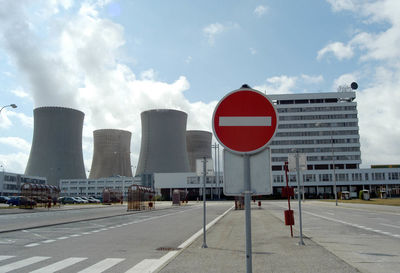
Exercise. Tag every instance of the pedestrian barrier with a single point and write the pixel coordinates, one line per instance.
(40, 195)
(239, 202)
(140, 198)
(111, 196)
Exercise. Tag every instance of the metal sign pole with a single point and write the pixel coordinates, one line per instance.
(217, 170)
(204, 203)
(299, 197)
(247, 197)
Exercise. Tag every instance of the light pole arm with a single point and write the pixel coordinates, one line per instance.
(10, 105)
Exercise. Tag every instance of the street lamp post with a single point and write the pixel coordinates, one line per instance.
(216, 167)
(334, 169)
(10, 105)
(4, 174)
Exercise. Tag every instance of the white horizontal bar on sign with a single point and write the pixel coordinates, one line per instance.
(244, 121)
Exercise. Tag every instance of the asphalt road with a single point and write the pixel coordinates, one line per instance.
(365, 236)
(127, 243)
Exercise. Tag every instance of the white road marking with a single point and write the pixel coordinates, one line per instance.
(104, 229)
(102, 265)
(32, 245)
(22, 263)
(388, 225)
(145, 266)
(353, 225)
(59, 265)
(245, 121)
(5, 257)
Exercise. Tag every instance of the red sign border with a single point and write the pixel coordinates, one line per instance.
(253, 151)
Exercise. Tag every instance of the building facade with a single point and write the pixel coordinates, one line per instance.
(324, 127)
(95, 187)
(10, 183)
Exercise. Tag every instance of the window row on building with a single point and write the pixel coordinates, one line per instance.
(315, 109)
(380, 177)
(316, 133)
(316, 125)
(318, 117)
(10, 183)
(316, 150)
(314, 141)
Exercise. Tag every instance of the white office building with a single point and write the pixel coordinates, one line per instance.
(95, 187)
(324, 127)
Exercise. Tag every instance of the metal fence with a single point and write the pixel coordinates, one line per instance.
(140, 198)
(112, 196)
(38, 195)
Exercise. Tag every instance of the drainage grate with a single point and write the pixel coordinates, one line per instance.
(167, 248)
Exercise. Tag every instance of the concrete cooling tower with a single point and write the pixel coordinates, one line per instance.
(56, 151)
(111, 153)
(198, 145)
(163, 145)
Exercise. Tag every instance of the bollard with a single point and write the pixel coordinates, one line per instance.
(259, 204)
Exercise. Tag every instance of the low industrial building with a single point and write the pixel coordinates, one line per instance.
(95, 187)
(10, 183)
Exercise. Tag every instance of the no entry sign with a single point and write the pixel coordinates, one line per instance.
(244, 121)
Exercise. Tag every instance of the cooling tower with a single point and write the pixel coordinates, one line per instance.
(56, 151)
(111, 153)
(163, 145)
(198, 145)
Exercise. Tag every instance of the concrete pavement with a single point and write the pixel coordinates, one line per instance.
(273, 249)
(89, 212)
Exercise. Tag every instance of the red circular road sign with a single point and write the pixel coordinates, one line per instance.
(244, 121)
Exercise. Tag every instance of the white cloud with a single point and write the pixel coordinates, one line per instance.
(378, 98)
(19, 92)
(344, 80)
(26, 121)
(340, 50)
(260, 10)
(81, 70)
(289, 84)
(149, 75)
(188, 60)
(16, 142)
(14, 162)
(6, 122)
(212, 30)
(278, 85)
(312, 79)
(338, 5)
(252, 51)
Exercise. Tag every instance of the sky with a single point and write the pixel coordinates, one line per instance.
(114, 59)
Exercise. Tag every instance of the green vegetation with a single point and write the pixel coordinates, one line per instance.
(375, 201)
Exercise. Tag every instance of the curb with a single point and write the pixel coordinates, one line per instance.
(167, 258)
